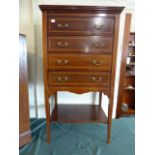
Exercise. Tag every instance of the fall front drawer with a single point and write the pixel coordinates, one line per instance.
(80, 61)
(80, 24)
(78, 78)
(91, 44)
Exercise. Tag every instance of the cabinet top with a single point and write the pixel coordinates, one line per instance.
(104, 9)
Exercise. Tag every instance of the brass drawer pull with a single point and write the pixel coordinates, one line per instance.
(62, 45)
(63, 25)
(95, 79)
(99, 44)
(96, 62)
(62, 62)
(62, 79)
(99, 26)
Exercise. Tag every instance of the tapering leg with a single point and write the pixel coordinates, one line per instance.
(110, 107)
(100, 99)
(47, 108)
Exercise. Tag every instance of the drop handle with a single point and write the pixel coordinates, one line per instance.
(100, 44)
(62, 79)
(62, 45)
(97, 62)
(63, 25)
(96, 79)
(99, 26)
(62, 62)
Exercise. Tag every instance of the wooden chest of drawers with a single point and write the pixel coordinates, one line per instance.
(79, 54)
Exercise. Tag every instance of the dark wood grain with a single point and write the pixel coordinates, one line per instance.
(129, 81)
(99, 62)
(129, 98)
(80, 44)
(79, 78)
(70, 113)
(24, 122)
(84, 24)
(77, 8)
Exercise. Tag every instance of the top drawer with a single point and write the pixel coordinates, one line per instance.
(71, 24)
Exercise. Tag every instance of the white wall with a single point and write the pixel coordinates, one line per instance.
(64, 97)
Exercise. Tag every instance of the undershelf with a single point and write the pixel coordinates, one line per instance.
(130, 75)
(71, 113)
(133, 89)
(129, 112)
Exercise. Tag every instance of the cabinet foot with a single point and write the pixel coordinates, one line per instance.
(108, 134)
(47, 108)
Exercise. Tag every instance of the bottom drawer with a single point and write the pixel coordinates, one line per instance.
(78, 78)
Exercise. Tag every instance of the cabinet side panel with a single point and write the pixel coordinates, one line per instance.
(114, 58)
(123, 62)
(24, 122)
(44, 42)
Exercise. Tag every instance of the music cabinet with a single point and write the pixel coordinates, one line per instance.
(79, 56)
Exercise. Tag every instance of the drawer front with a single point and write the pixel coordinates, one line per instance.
(84, 24)
(84, 44)
(78, 78)
(80, 62)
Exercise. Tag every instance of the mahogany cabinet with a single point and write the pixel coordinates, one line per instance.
(126, 95)
(79, 56)
(24, 121)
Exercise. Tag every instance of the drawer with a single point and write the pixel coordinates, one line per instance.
(78, 78)
(77, 44)
(80, 61)
(80, 24)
